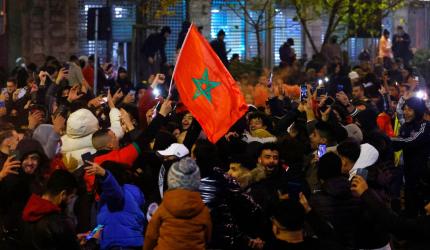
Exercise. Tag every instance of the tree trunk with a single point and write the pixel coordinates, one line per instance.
(305, 27)
(257, 34)
(308, 35)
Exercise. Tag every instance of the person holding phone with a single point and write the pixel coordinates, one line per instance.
(22, 174)
(415, 230)
(120, 207)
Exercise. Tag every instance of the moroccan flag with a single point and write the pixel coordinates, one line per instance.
(206, 87)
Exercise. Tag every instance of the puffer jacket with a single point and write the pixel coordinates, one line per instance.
(232, 209)
(78, 139)
(181, 222)
(120, 214)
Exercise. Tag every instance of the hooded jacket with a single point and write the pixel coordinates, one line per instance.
(368, 156)
(81, 126)
(48, 138)
(120, 214)
(182, 222)
(15, 190)
(45, 227)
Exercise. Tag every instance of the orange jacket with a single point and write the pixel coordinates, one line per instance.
(182, 222)
(261, 95)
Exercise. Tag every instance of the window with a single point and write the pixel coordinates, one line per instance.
(286, 27)
(123, 19)
(234, 27)
(88, 47)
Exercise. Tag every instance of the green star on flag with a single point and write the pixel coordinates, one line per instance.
(204, 86)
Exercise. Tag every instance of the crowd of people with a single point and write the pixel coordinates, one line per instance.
(328, 156)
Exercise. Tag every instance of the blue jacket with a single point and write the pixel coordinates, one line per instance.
(121, 214)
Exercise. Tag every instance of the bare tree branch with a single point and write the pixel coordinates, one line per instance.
(305, 26)
(250, 21)
(246, 12)
(330, 28)
(262, 11)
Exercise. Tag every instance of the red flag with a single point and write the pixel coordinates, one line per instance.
(206, 87)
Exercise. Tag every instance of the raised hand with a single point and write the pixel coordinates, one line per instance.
(10, 166)
(59, 124)
(358, 186)
(166, 107)
(74, 94)
(62, 74)
(35, 119)
(117, 96)
(95, 169)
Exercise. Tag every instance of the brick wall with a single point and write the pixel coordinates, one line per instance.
(49, 27)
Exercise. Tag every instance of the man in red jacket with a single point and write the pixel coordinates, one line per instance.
(45, 227)
(107, 144)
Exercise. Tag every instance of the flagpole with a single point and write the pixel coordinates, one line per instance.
(177, 60)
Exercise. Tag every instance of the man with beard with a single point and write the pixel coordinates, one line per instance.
(45, 227)
(263, 188)
(264, 178)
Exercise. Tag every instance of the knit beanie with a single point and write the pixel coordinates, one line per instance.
(184, 174)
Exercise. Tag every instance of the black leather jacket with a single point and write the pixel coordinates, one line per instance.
(235, 215)
(52, 232)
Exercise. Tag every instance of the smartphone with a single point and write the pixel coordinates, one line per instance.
(21, 93)
(362, 172)
(303, 92)
(15, 154)
(106, 90)
(269, 83)
(66, 66)
(322, 149)
(86, 157)
(339, 88)
(321, 91)
(329, 101)
(95, 230)
(132, 92)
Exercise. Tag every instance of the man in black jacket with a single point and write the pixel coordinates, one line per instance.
(154, 53)
(218, 46)
(45, 227)
(288, 226)
(401, 44)
(416, 230)
(414, 139)
(351, 221)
